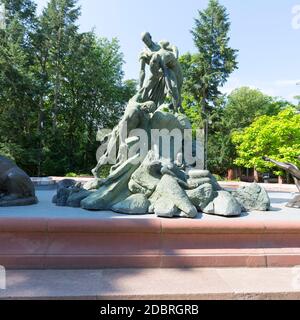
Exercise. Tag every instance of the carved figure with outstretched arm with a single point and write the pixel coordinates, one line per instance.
(288, 167)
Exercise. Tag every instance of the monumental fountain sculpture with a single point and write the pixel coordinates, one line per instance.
(16, 187)
(148, 174)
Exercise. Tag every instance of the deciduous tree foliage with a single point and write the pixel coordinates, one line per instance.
(58, 86)
(237, 112)
(277, 137)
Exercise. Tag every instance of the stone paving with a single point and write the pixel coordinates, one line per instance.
(154, 284)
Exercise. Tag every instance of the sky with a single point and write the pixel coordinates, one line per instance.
(266, 33)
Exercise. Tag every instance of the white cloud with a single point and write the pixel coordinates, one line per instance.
(286, 83)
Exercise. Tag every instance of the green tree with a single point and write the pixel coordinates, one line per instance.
(298, 102)
(58, 86)
(59, 28)
(208, 70)
(277, 137)
(242, 107)
(81, 89)
(17, 97)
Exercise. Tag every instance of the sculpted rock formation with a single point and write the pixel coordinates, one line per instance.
(253, 198)
(70, 194)
(135, 204)
(177, 204)
(16, 187)
(202, 196)
(224, 204)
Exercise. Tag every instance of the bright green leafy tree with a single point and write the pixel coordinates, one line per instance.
(277, 137)
(237, 112)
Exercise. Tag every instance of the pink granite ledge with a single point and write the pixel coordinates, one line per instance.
(104, 225)
(230, 226)
(23, 225)
(140, 225)
(114, 243)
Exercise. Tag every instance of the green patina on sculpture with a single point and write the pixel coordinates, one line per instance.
(153, 183)
(166, 72)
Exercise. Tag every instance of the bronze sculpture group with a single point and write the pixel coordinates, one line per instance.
(155, 181)
(155, 184)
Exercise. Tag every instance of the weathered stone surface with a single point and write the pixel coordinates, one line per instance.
(62, 197)
(64, 190)
(16, 187)
(163, 118)
(135, 204)
(184, 121)
(195, 183)
(107, 196)
(197, 174)
(253, 198)
(224, 205)
(70, 193)
(136, 188)
(201, 196)
(168, 188)
(198, 177)
(146, 177)
(169, 124)
(165, 208)
(171, 168)
(76, 197)
(294, 203)
(114, 190)
(93, 184)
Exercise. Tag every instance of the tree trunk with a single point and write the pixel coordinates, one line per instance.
(256, 176)
(230, 175)
(280, 180)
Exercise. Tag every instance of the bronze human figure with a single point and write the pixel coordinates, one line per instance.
(288, 167)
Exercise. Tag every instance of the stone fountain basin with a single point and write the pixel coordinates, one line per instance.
(44, 236)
